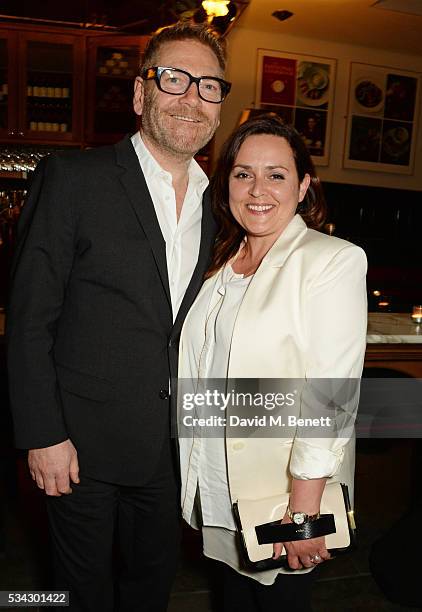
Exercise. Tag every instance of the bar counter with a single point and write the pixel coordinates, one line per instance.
(394, 343)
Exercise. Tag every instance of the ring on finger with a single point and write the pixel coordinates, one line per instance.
(315, 558)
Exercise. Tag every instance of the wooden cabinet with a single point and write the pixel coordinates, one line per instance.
(41, 88)
(66, 86)
(8, 85)
(51, 87)
(113, 64)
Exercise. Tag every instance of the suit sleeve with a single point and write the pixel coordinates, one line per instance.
(336, 322)
(40, 273)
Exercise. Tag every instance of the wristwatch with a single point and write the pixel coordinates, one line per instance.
(299, 518)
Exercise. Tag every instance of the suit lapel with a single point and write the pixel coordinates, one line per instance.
(285, 244)
(208, 231)
(136, 189)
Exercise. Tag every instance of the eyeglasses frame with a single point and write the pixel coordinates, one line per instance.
(155, 72)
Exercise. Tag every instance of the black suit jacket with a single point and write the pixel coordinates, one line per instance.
(90, 333)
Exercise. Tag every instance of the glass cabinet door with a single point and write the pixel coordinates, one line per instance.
(8, 85)
(113, 65)
(4, 84)
(52, 97)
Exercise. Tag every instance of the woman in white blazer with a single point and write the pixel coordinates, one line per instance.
(283, 301)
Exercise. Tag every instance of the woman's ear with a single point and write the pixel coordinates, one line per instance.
(303, 187)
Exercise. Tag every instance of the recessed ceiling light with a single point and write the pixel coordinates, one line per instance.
(282, 14)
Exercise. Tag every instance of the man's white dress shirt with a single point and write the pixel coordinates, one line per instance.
(182, 237)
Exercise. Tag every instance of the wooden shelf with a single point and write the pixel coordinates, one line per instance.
(59, 72)
(115, 77)
(5, 174)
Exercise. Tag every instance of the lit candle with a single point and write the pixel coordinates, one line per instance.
(417, 314)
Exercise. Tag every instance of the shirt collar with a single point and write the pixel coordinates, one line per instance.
(152, 168)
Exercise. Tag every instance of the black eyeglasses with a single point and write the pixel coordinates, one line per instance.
(176, 82)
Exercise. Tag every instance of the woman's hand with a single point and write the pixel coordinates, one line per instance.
(306, 497)
(302, 553)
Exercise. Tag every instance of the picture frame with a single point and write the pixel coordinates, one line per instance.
(381, 130)
(300, 89)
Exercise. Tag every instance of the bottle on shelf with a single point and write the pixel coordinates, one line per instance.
(58, 90)
(43, 87)
(36, 88)
(66, 88)
(50, 87)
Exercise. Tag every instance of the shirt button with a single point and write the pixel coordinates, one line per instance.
(238, 446)
(164, 394)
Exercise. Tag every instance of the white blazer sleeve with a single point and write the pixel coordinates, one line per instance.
(335, 326)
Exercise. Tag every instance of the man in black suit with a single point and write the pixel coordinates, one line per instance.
(113, 246)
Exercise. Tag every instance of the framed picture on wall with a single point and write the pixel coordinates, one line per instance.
(300, 89)
(381, 119)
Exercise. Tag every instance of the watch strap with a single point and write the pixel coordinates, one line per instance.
(290, 532)
(309, 517)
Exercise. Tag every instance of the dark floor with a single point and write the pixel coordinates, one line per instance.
(345, 583)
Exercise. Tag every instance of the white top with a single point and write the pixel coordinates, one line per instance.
(182, 238)
(206, 467)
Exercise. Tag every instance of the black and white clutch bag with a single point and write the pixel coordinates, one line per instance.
(258, 523)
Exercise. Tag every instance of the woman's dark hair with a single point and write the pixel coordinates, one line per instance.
(230, 234)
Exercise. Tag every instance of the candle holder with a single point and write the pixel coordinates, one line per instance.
(417, 314)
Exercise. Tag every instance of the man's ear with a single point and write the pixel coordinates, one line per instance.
(138, 95)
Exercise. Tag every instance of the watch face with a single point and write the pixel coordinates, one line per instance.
(298, 518)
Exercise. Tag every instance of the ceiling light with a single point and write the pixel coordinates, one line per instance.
(216, 8)
(282, 14)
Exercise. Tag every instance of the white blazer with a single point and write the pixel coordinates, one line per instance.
(304, 315)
